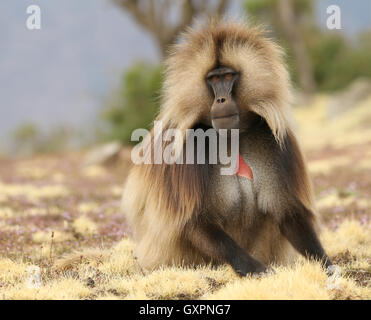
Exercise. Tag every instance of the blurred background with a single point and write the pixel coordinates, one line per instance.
(93, 72)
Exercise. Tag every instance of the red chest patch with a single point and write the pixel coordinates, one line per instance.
(243, 169)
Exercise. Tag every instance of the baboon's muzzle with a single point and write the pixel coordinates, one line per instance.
(225, 114)
(224, 111)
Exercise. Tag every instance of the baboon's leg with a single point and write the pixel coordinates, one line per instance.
(212, 241)
(299, 231)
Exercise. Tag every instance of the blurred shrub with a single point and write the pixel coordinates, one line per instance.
(260, 8)
(28, 139)
(134, 103)
(25, 138)
(56, 140)
(337, 61)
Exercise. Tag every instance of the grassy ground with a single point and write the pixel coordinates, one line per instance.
(64, 219)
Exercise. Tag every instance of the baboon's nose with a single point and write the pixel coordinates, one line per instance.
(221, 100)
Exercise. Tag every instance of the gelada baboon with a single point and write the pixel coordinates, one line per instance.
(226, 75)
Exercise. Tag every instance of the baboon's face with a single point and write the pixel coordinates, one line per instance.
(224, 112)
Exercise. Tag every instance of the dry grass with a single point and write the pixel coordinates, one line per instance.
(94, 273)
(90, 255)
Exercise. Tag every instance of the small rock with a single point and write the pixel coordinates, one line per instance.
(104, 154)
(90, 282)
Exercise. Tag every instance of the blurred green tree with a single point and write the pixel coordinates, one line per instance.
(25, 138)
(317, 58)
(337, 62)
(28, 139)
(135, 102)
(56, 140)
(289, 20)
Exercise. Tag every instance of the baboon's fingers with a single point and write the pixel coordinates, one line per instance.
(214, 242)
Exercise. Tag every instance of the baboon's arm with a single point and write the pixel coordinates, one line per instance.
(299, 231)
(218, 245)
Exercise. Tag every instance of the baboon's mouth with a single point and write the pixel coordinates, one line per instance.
(226, 116)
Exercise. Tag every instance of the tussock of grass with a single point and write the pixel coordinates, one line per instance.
(58, 289)
(121, 260)
(32, 172)
(350, 236)
(84, 226)
(6, 212)
(327, 165)
(87, 207)
(11, 271)
(75, 260)
(46, 237)
(94, 172)
(365, 163)
(305, 280)
(33, 193)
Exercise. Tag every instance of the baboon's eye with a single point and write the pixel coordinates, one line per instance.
(228, 77)
(214, 79)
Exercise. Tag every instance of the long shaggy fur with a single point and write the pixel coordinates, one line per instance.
(160, 199)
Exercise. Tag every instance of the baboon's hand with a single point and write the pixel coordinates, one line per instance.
(267, 272)
(331, 269)
(245, 265)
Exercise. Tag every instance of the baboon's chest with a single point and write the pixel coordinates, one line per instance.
(238, 197)
(229, 196)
